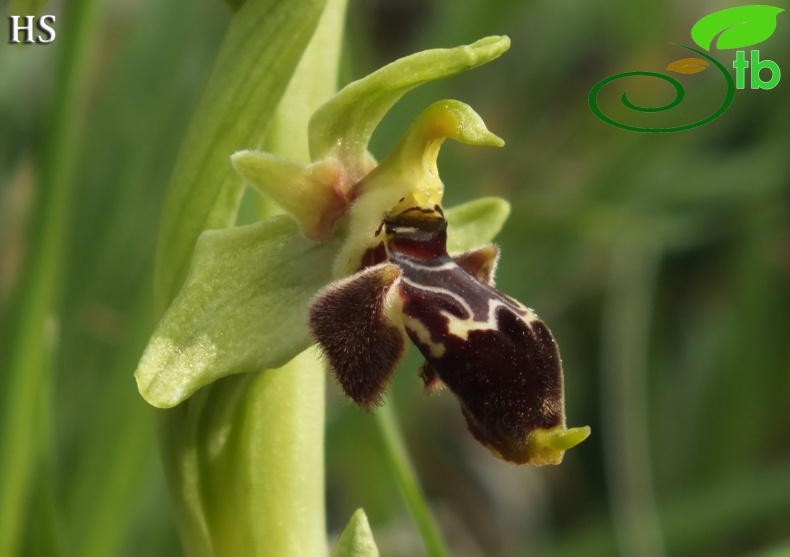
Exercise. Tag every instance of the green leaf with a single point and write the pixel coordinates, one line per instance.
(262, 47)
(356, 539)
(475, 223)
(738, 27)
(243, 308)
(342, 127)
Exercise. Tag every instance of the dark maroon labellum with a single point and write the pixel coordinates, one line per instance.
(493, 353)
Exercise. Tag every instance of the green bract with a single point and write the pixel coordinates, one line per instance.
(243, 305)
(357, 539)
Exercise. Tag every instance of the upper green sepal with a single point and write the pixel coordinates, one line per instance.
(341, 128)
(356, 539)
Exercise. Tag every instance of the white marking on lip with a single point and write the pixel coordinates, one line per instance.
(422, 333)
(462, 327)
(405, 230)
(442, 291)
(528, 317)
(449, 266)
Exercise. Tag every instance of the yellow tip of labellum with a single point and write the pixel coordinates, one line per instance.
(548, 446)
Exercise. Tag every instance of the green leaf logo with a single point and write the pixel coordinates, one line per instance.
(737, 27)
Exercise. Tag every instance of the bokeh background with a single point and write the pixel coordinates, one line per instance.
(660, 261)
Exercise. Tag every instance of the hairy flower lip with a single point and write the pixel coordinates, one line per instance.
(493, 353)
(496, 356)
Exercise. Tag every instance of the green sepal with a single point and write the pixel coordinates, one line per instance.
(356, 539)
(341, 128)
(243, 308)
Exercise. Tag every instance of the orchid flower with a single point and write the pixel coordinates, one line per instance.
(362, 257)
(380, 233)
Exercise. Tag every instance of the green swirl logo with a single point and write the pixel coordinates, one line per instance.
(735, 28)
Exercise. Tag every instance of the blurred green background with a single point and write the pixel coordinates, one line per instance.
(660, 261)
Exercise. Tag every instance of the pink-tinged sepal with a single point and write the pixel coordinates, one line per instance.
(356, 326)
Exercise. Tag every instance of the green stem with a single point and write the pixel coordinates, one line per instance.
(244, 461)
(407, 482)
(27, 361)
